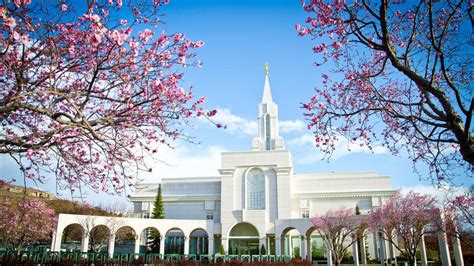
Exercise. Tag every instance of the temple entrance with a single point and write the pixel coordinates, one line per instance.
(243, 240)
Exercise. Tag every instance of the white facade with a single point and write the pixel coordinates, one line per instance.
(259, 187)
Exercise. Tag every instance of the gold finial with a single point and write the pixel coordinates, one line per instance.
(266, 69)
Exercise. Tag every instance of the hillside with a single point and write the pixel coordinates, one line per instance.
(59, 205)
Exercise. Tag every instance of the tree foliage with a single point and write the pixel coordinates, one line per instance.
(25, 222)
(88, 87)
(158, 209)
(403, 220)
(154, 235)
(402, 78)
(339, 230)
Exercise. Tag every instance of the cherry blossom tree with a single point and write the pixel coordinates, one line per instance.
(402, 221)
(401, 77)
(88, 87)
(339, 230)
(24, 223)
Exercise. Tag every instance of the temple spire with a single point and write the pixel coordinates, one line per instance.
(268, 138)
(267, 94)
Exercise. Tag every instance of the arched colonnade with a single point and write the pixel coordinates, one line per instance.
(177, 233)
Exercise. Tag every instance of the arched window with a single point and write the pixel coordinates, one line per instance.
(255, 189)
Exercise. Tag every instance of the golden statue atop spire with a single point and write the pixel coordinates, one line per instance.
(266, 69)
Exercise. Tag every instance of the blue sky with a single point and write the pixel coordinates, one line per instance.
(240, 37)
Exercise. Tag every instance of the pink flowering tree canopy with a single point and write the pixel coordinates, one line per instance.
(403, 219)
(24, 223)
(339, 230)
(401, 77)
(88, 87)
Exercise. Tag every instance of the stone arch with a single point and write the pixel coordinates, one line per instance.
(315, 244)
(72, 237)
(291, 241)
(125, 239)
(198, 241)
(150, 238)
(99, 237)
(174, 241)
(243, 239)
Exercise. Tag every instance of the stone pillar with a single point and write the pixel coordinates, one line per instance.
(137, 245)
(422, 247)
(457, 251)
(186, 245)
(162, 245)
(303, 253)
(278, 246)
(363, 255)
(210, 245)
(355, 252)
(111, 245)
(328, 255)
(53, 242)
(225, 243)
(443, 248)
(85, 242)
(383, 251)
(309, 248)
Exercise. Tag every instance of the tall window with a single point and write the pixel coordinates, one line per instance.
(268, 140)
(255, 189)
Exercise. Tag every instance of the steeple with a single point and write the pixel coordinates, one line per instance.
(268, 138)
(267, 94)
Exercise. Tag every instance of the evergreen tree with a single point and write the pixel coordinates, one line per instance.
(357, 210)
(263, 251)
(158, 210)
(158, 213)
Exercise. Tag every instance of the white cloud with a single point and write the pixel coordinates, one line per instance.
(235, 124)
(188, 160)
(342, 148)
(239, 125)
(287, 126)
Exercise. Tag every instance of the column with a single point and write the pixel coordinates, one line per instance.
(303, 253)
(210, 245)
(111, 245)
(186, 245)
(328, 255)
(363, 255)
(309, 248)
(355, 252)
(53, 242)
(443, 248)
(137, 244)
(382, 249)
(457, 250)
(162, 246)
(422, 246)
(85, 242)
(262, 242)
(278, 246)
(225, 243)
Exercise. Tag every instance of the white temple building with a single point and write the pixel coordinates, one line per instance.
(256, 198)
(254, 205)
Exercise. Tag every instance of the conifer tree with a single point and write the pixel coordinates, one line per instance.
(158, 210)
(158, 213)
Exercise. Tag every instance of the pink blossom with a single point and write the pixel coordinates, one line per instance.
(9, 22)
(63, 8)
(95, 39)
